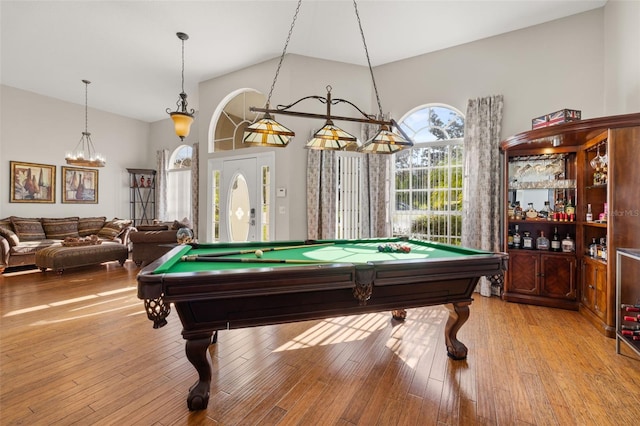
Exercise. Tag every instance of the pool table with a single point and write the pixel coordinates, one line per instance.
(219, 286)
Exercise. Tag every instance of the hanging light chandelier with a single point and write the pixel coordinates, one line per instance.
(182, 117)
(268, 132)
(84, 154)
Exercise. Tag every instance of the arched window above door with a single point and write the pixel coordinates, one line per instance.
(231, 119)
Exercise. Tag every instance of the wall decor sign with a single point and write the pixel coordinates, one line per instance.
(32, 183)
(79, 186)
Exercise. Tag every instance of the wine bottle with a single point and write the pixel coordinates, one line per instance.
(570, 211)
(556, 244)
(626, 305)
(593, 248)
(510, 239)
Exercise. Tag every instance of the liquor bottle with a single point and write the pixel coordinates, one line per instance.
(593, 248)
(531, 213)
(559, 210)
(510, 239)
(589, 217)
(527, 241)
(556, 244)
(517, 211)
(602, 249)
(570, 211)
(568, 245)
(542, 242)
(544, 212)
(517, 239)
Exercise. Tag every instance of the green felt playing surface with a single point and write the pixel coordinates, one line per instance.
(341, 251)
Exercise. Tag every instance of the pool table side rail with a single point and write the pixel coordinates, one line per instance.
(185, 286)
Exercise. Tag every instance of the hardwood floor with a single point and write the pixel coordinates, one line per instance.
(78, 349)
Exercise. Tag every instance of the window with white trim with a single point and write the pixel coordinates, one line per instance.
(349, 176)
(428, 177)
(179, 183)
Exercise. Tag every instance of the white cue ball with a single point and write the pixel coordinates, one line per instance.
(258, 253)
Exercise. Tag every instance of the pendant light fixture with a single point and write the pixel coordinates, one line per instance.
(182, 117)
(84, 154)
(269, 132)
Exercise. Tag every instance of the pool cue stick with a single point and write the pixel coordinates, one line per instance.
(264, 250)
(250, 260)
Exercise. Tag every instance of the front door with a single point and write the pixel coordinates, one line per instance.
(239, 200)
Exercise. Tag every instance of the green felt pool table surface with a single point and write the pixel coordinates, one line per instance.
(325, 251)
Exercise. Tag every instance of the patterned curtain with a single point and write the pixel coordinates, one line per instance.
(162, 157)
(482, 180)
(321, 194)
(375, 190)
(195, 185)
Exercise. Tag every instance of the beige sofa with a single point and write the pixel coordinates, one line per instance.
(21, 238)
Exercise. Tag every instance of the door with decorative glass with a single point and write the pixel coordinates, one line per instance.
(239, 220)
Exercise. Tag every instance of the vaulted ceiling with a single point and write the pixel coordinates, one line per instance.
(130, 52)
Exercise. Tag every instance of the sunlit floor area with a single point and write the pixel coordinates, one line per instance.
(77, 348)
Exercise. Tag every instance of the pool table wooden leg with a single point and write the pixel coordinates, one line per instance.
(196, 350)
(458, 315)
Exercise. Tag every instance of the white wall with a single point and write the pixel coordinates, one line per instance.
(555, 65)
(622, 57)
(300, 76)
(539, 69)
(40, 129)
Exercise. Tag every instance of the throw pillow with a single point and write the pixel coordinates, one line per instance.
(59, 229)
(113, 228)
(9, 235)
(28, 229)
(90, 225)
(6, 223)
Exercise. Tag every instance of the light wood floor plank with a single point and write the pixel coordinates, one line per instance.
(78, 349)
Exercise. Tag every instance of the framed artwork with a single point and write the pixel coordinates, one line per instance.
(79, 186)
(32, 183)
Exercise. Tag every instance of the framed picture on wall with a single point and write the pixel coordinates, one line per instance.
(79, 186)
(32, 183)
